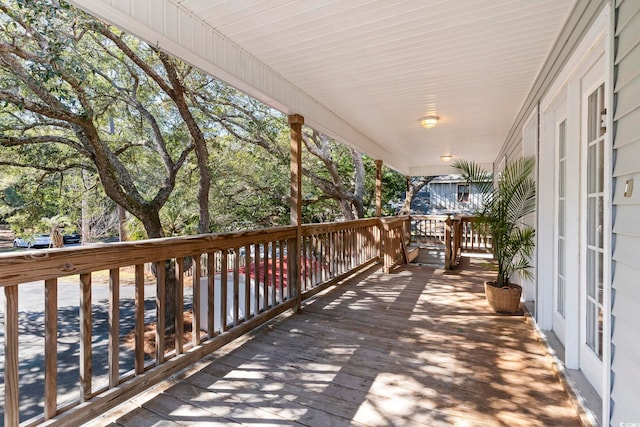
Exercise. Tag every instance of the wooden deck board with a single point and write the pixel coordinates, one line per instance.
(415, 347)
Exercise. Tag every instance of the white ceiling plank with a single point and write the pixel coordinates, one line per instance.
(365, 71)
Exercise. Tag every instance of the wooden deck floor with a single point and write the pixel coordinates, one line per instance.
(418, 347)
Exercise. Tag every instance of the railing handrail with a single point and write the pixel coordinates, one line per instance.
(436, 216)
(32, 265)
(324, 227)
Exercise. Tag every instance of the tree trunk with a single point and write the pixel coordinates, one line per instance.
(154, 229)
(414, 188)
(122, 228)
(345, 208)
(85, 231)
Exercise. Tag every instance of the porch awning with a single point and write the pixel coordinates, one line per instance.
(365, 72)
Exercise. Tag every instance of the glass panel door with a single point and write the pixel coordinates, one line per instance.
(594, 275)
(561, 220)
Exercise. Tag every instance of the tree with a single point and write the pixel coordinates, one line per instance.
(67, 80)
(59, 94)
(348, 194)
(415, 185)
(56, 224)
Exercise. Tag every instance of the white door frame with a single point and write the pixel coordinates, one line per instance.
(530, 148)
(590, 363)
(560, 116)
(595, 44)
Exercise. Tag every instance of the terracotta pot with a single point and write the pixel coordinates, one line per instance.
(505, 299)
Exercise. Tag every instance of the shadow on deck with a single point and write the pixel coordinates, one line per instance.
(415, 347)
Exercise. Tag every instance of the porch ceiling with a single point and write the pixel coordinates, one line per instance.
(366, 71)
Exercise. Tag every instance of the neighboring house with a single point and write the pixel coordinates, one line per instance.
(452, 194)
(582, 122)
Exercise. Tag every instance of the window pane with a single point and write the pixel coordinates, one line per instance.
(591, 170)
(562, 136)
(591, 326)
(562, 179)
(600, 330)
(600, 223)
(561, 218)
(600, 166)
(600, 278)
(593, 117)
(560, 300)
(601, 109)
(561, 257)
(591, 221)
(591, 273)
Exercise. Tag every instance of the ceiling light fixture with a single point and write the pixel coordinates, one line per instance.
(445, 158)
(429, 121)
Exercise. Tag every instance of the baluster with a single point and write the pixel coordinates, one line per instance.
(236, 287)
(195, 305)
(161, 302)
(273, 271)
(85, 337)
(139, 357)
(265, 275)
(179, 283)
(114, 327)
(259, 276)
(281, 263)
(50, 348)
(247, 280)
(303, 263)
(211, 295)
(11, 364)
(223, 290)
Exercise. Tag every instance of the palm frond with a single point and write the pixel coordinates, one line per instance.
(505, 208)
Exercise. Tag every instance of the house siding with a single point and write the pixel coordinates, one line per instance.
(444, 197)
(580, 20)
(625, 333)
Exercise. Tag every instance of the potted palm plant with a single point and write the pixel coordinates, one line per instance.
(505, 206)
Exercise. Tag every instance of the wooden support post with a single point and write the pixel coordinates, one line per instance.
(378, 188)
(381, 232)
(295, 124)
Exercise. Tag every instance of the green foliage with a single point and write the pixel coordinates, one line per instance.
(505, 207)
(63, 79)
(250, 189)
(393, 185)
(28, 197)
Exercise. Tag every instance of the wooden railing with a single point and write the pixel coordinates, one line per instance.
(428, 229)
(330, 251)
(474, 237)
(455, 234)
(221, 304)
(163, 304)
(393, 231)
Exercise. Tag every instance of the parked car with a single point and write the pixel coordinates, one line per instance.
(35, 241)
(71, 238)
